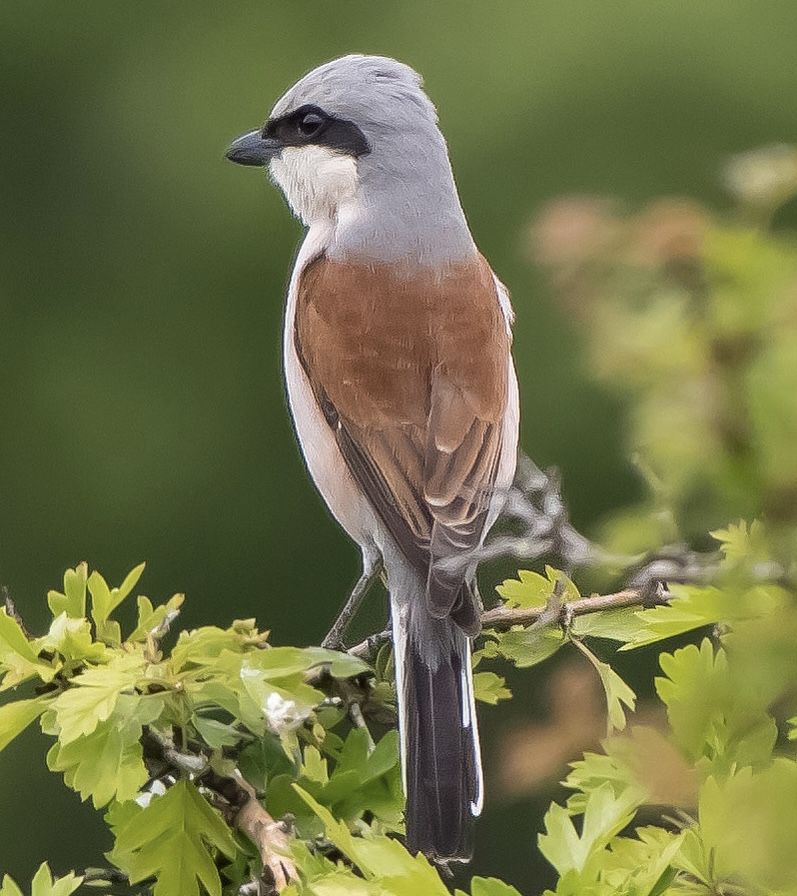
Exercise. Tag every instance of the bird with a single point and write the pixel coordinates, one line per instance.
(398, 366)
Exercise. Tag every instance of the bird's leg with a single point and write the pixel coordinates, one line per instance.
(372, 568)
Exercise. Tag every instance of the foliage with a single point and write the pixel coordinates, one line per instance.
(218, 693)
(693, 316)
(223, 700)
(43, 884)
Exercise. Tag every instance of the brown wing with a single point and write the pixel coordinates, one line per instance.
(411, 373)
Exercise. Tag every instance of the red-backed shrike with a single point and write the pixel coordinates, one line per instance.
(403, 392)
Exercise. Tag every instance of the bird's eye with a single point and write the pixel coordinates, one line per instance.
(310, 124)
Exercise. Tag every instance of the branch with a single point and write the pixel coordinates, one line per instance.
(502, 618)
(11, 611)
(269, 836)
(238, 801)
(535, 503)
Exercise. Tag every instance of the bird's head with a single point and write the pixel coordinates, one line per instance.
(358, 120)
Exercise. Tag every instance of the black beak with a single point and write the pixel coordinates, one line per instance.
(254, 149)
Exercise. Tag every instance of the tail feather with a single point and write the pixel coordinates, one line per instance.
(440, 743)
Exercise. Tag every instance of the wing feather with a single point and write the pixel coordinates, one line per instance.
(411, 373)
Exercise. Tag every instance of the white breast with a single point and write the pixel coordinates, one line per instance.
(316, 439)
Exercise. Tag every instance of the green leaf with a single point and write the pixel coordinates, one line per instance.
(314, 765)
(740, 542)
(44, 884)
(175, 839)
(620, 624)
(490, 688)
(525, 646)
(617, 691)
(363, 781)
(641, 865)
(597, 769)
(9, 887)
(108, 763)
(105, 600)
(93, 696)
(748, 826)
(286, 702)
(642, 762)
(215, 734)
(710, 716)
(15, 717)
(531, 589)
(203, 646)
(605, 815)
(341, 665)
(380, 859)
(18, 660)
(71, 639)
(491, 886)
(696, 606)
(150, 618)
(73, 600)
(279, 662)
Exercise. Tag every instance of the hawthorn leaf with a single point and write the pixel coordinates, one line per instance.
(641, 865)
(605, 815)
(215, 734)
(44, 884)
(708, 715)
(529, 590)
(490, 688)
(618, 693)
(73, 600)
(532, 590)
(18, 660)
(341, 665)
(9, 887)
(93, 696)
(525, 646)
(15, 717)
(175, 840)
(695, 606)
(619, 624)
(491, 886)
(72, 640)
(108, 763)
(740, 542)
(151, 618)
(105, 600)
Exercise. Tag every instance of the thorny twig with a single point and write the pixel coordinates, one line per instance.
(535, 502)
(11, 611)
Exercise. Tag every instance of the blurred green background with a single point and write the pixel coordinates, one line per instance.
(142, 279)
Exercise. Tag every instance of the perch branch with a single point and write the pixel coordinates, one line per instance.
(237, 800)
(502, 618)
(269, 836)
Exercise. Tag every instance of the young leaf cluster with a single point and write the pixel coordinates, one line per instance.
(158, 739)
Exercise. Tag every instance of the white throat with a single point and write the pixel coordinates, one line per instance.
(317, 181)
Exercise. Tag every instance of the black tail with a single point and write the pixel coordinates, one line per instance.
(440, 740)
